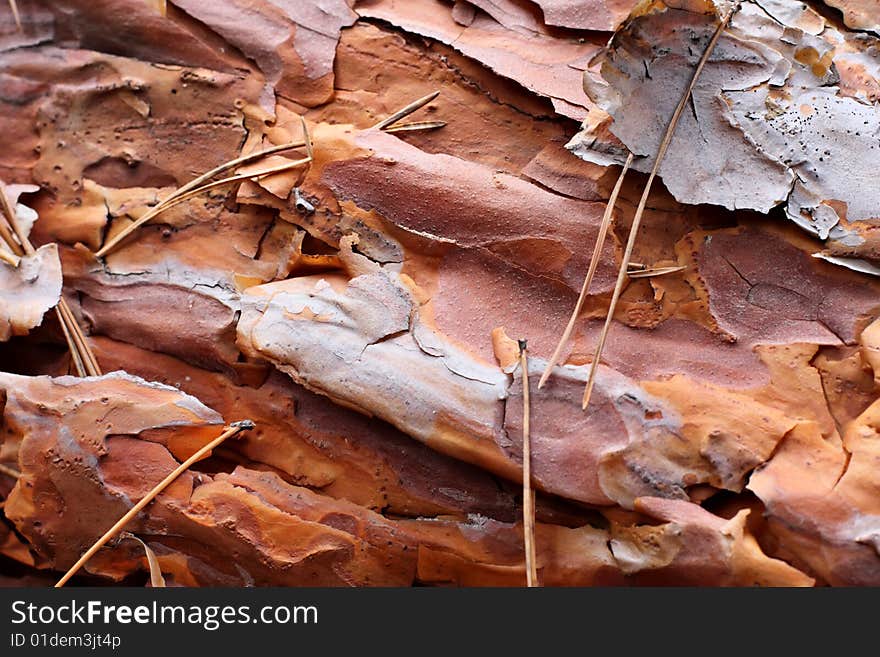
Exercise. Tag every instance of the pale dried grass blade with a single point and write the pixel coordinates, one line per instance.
(591, 272)
(9, 472)
(406, 111)
(307, 138)
(84, 360)
(192, 184)
(12, 220)
(416, 125)
(237, 178)
(528, 491)
(157, 581)
(231, 430)
(7, 236)
(231, 164)
(9, 258)
(661, 152)
(88, 357)
(13, 5)
(8, 225)
(71, 345)
(655, 271)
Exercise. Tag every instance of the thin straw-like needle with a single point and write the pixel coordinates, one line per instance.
(231, 430)
(192, 184)
(528, 491)
(156, 579)
(244, 159)
(84, 359)
(9, 258)
(231, 164)
(79, 338)
(71, 345)
(655, 271)
(594, 263)
(6, 233)
(310, 149)
(13, 5)
(9, 472)
(406, 111)
(236, 178)
(664, 146)
(15, 243)
(416, 125)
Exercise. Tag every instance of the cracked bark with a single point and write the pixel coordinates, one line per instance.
(367, 335)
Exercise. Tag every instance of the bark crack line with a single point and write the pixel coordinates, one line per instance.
(444, 61)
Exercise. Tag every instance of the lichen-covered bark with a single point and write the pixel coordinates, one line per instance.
(782, 114)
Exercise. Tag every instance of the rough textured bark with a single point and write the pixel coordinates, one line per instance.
(364, 309)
